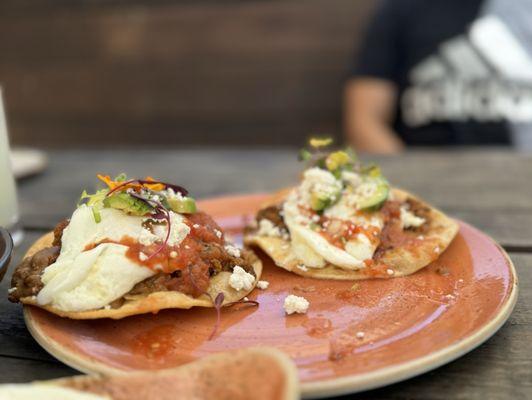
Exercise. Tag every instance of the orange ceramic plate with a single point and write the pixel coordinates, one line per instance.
(410, 325)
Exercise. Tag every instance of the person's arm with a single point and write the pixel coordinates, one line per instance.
(371, 92)
(369, 104)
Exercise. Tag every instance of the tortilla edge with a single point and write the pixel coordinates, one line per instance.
(153, 303)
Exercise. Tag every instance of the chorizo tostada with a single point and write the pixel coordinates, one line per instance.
(344, 221)
(134, 247)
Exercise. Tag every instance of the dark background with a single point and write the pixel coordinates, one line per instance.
(95, 72)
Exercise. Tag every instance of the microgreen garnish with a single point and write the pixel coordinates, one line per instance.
(148, 183)
(318, 155)
(160, 213)
(345, 166)
(141, 197)
(218, 302)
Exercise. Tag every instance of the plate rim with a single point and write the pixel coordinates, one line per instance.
(336, 386)
(418, 366)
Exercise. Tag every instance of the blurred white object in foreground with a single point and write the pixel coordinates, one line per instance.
(8, 200)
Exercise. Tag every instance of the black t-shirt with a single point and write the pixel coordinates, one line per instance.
(445, 82)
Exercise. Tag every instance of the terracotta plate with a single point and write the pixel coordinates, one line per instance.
(410, 325)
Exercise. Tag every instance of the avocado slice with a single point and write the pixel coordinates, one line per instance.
(185, 205)
(377, 197)
(125, 202)
(319, 201)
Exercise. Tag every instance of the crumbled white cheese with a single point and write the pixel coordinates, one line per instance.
(437, 249)
(295, 304)
(352, 178)
(173, 254)
(267, 228)
(232, 250)
(218, 233)
(366, 189)
(409, 220)
(196, 226)
(240, 279)
(169, 193)
(178, 229)
(142, 256)
(390, 271)
(360, 335)
(317, 180)
(147, 238)
(263, 285)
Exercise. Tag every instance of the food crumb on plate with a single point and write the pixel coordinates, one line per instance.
(240, 279)
(295, 304)
(263, 285)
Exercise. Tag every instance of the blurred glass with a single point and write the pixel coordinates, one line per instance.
(9, 216)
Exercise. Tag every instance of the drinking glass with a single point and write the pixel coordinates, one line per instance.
(9, 215)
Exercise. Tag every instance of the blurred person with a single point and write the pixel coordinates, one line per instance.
(443, 72)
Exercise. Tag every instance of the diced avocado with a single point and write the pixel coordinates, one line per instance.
(377, 197)
(125, 202)
(185, 205)
(337, 160)
(320, 201)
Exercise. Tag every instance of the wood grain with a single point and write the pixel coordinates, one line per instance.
(245, 72)
(486, 189)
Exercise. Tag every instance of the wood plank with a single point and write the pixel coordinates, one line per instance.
(499, 369)
(15, 341)
(15, 370)
(484, 188)
(176, 72)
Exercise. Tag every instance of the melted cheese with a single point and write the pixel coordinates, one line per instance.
(82, 280)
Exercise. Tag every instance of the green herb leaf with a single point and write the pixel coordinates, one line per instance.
(96, 214)
(121, 177)
(304, 155)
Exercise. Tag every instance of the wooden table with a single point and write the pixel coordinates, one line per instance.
(490, 189)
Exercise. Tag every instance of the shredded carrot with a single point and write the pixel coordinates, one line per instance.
(111, 184)
(107, 180)
(155, 186)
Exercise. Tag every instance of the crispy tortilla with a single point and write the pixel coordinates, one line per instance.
(153, 302)
(402, 261)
